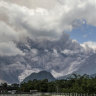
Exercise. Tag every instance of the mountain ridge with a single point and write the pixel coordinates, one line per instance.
(40, 76)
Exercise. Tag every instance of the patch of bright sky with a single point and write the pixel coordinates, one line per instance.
(84, 33)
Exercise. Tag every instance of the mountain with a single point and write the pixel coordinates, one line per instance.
(40, 76)
(93, 75)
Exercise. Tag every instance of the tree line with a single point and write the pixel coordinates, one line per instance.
(74, 84)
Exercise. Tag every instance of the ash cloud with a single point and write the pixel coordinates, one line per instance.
(46, 29)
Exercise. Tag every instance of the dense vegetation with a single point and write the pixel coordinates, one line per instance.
(79, 84)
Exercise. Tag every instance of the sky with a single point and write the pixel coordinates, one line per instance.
(84, 33)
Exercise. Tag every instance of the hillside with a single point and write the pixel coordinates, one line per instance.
(40, 76)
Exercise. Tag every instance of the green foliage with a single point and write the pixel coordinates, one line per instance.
(75, 84)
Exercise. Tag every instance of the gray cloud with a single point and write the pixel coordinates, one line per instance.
(9, 49)
(53, 49)
(7, 36)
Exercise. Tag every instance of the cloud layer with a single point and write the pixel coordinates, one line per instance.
(39, 35)
(18, 22)
(35, 3)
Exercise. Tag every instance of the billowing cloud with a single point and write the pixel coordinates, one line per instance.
(9, 49)
(7, 36)
(89, 46)
(49, 47)
(44, 23)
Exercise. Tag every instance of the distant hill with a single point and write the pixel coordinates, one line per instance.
(93, 75)
(40, 76)
(68, 76)
(65, 77)
(75, 75)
